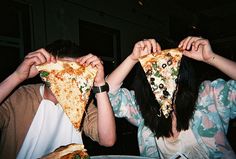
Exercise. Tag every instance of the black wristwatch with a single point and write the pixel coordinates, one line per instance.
(100, 89)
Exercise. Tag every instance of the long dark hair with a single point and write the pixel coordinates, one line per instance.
(185, 100)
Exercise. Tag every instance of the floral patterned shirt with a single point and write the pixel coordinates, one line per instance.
(215, 106)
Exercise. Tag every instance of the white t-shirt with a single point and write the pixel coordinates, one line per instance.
(50, 129)
(185, 146)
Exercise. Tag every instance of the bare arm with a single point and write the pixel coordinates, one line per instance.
(105, 116)
(106, 120)
(141, 48)
(8, 85)
(116, 78)
(223, 64)
(26, 70)
(200, 49)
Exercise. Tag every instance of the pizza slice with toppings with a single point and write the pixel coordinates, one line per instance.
(71, 151)
(162, 71)
(71, 84)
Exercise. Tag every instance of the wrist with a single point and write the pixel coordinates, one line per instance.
(15, 76)
(212, 59)
(101, 88)
(101, 83)
(132, 59)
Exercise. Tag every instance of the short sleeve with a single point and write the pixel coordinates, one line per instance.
(5, 113)
(90, 122)
(124, 105)
(218, 99)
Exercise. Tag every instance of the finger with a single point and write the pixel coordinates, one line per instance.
(190, 43)
(154, 45)
(33, 61)
(185, 43)
(195, 45)
(141, 45)
(39, 56)
(148, 46)
(181, 43)
(94, 63)
(157, 46)
(91, 59)
(83, 59)
(97, 63)
(199, 42)
(194, 42)
(42, 54)
(45, 54)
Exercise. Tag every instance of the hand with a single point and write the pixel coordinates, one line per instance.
(144, 47)
(197, 48)
(27, 68)
(94, 61)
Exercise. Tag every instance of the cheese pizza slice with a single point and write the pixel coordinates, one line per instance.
(71, 84)
(162, 71)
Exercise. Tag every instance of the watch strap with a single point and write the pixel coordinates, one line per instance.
(99, 89)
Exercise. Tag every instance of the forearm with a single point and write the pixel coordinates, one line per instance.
(106, 120)
(116, 78)
(8, 85)
(225, 65)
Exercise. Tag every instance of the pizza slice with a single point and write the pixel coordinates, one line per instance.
(71, 151)
(71, 84)
(162, 71)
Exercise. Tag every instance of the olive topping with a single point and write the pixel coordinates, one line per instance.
(164, 65)
(161, 86)
(152, 79)
(169, 62)
(166, 93)
(152, 83)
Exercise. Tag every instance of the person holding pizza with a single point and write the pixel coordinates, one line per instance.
(198, 124)
(22, 108)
